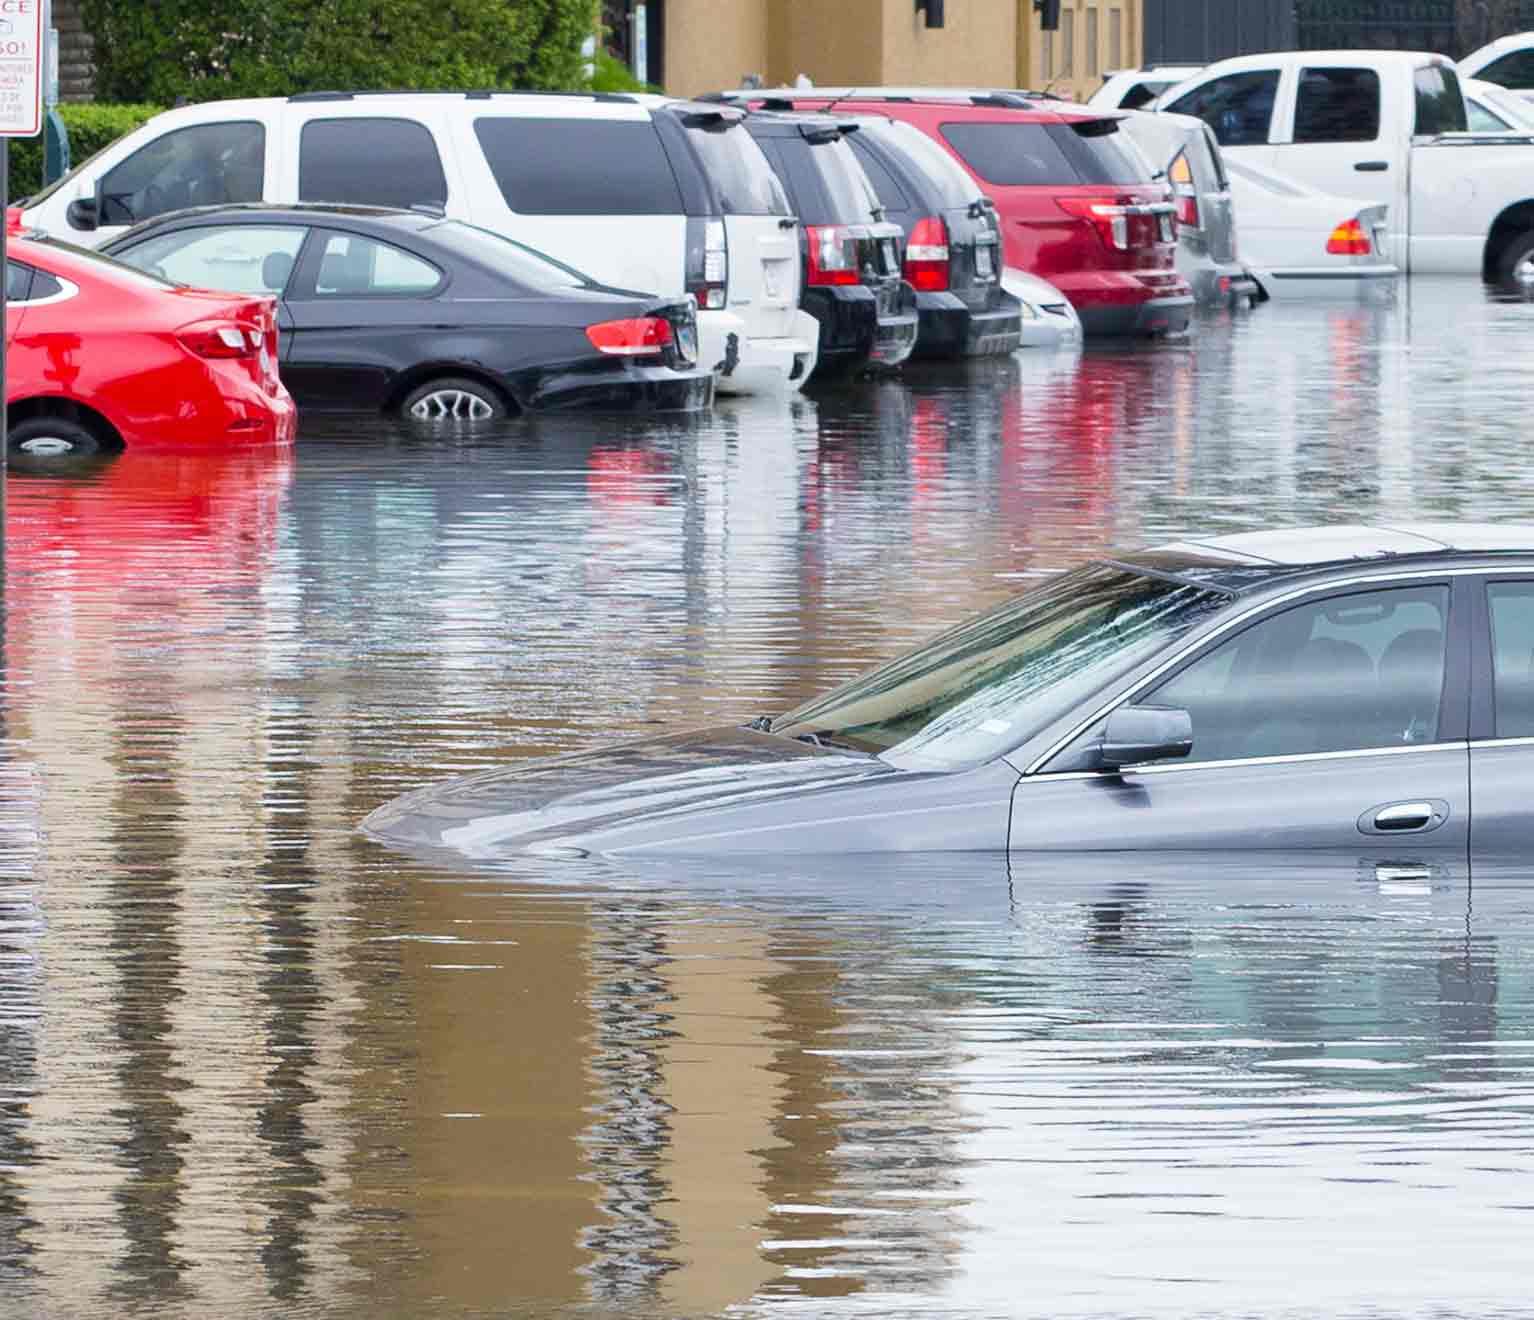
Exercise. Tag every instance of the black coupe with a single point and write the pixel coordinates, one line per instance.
(434, 319)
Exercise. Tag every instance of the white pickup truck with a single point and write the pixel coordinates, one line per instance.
(1387, 126)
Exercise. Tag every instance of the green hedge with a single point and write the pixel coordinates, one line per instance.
(90, 128)
(206, 50)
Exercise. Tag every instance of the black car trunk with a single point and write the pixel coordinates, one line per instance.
(974, 255)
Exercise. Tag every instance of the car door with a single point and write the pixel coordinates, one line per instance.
(1338, 722)
(1502, 721)
(1244, 108)
(362, 310)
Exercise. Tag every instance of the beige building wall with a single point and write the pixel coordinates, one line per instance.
(711, 44)
(1094, 38)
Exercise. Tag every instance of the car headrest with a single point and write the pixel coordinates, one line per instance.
(275, 269)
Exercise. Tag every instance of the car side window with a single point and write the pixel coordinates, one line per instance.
(353, 266)
(1440, 103)
(1347, 673)
(370, 162)
(204, 165)
(1337, 105)
(1239, 106)
(18, 282)
(579, 166)
(1484, 120)
(1512, 656)
(238, 258)
(1514, 70)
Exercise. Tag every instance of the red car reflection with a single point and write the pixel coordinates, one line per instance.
(103, 357)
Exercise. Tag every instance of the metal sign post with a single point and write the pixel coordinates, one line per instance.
(23, 25)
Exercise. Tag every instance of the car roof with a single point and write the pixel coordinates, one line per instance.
(385, 217)
(1244, 561)
(974, 98)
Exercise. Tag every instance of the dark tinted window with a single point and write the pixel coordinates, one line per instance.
(892, 196)
(952, 186)
(506, 257)
(1239, 106)
(1512, 641)
(850, 198)
(18, 281)
(579, 166)
(44, 285)
(205, 165)
(1337, 105)
(1343, 674)
(1515, 70)
(371, 162)
(738, 171)
(1142, 94)
(1084, 151)
(1440, 103)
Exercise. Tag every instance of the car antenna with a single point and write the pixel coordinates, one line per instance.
(849, 95)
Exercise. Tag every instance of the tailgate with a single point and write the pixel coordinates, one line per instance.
(974, 256)
(764, 273)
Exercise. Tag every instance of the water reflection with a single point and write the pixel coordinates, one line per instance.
(251, 1064)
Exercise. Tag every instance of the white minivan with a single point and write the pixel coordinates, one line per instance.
(640, 192)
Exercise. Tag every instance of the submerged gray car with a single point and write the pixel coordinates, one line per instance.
(1333, 688)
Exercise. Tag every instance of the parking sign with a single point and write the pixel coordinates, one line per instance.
(21, 67)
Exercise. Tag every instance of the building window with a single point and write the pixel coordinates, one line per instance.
(1067, 43)
(1092, 61)
(1115, 38)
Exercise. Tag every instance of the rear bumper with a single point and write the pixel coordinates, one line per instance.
(626, 387)
(1220, 285)
(744, 365)
(1125, 302)
(855, 333)
(1156, 316)
(949, 329)
(1339, 282)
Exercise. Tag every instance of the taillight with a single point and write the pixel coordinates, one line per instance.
(634, 336)
(1108, 216)
(707, 276)
(1180, 173)
(1349, 240)
(221, 339)
(833, 255)
(926, 255)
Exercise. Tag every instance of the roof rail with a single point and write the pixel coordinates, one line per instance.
(476, 94)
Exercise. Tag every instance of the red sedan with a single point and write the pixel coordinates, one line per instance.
(100, 356)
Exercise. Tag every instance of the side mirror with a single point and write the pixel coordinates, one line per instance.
(1145, 733)
(81, 213)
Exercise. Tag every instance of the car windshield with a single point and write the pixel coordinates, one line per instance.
(524, 264)
(985, 687)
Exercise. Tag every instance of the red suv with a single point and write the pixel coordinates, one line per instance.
(1078, 205)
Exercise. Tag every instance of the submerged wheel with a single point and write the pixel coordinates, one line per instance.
(51, 437)
(1516, 264)
(452, 399)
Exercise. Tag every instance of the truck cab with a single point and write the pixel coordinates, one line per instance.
(1388, 126)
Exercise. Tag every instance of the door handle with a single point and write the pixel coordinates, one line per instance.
(1417, 817)
(1372, 166)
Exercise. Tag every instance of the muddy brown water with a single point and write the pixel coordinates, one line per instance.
(252, 1064)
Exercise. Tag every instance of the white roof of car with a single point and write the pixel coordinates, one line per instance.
(1297, 546)
(1477, 60)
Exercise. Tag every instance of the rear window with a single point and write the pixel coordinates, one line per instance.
(507, 257)
(1082, 151)
(1440, 103)
(369, 162)
(852, 198)
(738, 171)
(953, 187)
(892, 197)
(579, 166)
(1515, 70)
(1337, 105)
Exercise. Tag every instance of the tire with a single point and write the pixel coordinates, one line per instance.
(1515, 266)
(50, 438)
(452, 399)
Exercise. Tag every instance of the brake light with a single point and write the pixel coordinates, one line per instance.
(833, 255)
(707, 276)
(220, 339)
(926, 255)
(1349, 240)
(1180, 174)
(1108, 216)
(634, 336)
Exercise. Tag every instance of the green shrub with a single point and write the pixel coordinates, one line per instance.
(90, 128)
(612, 75)
(206, 50)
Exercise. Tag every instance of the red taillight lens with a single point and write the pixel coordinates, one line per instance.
(221, 339)
(926, 255)
(1108, 215)
(1187, 209)
(633, 336)
(833, 253)
(1349, 240)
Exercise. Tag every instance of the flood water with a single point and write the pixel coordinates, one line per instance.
(252, 1064)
